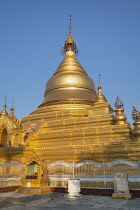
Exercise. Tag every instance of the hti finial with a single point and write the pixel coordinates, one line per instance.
(99, 78)
(70, 45)
(118, 104)
(70, 27)
(5, 99)
(12, 101)
(4, 111)
(135, 114)
(12, 108)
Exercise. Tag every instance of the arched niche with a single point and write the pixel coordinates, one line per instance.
(4, 137)
(32, 168)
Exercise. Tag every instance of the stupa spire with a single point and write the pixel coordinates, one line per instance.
(12, 115)
(99, 78)
(118, 103)
(136, 118)
(100, 97)
(12, 108)
(4, 111)
(70, 44)
(70, 26)
(119, 118)
(135, 114)
(70, 83)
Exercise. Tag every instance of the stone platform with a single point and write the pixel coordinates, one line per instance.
(60, 201)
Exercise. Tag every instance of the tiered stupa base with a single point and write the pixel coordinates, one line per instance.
(34, 186)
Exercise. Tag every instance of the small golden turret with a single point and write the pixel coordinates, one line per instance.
(4, 111)
(119, 118)
(100, 97)
(12, 111)
(136, 118)
(100, 104)
(12, 115)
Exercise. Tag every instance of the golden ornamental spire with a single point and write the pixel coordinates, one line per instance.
(70, 83)
(99, 78)
(119, 118)
(4, 111)
(135, 114)
(118, 103)
(12, 115)
(70, 27)
(100, 97)
(12, 108)
(136, 118)
(70, 44)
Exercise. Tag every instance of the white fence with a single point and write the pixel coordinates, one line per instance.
(87, 171)
(11, 173)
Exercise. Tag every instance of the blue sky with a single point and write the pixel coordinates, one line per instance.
(32, 33)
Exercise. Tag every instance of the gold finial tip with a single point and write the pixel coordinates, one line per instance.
(99, 84)
(70, 28)
(12, 109)
(5, 99)
(70, 44)
(99, 78)
(4, 111)
(12, 101)
(99, 87)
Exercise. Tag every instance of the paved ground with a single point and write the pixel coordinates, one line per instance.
(60, 201)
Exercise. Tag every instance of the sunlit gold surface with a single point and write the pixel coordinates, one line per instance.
(136, 131)
(73, 124)
(70, 81)
(119, 118)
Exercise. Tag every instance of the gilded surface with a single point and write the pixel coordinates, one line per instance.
(70, 80)
(74, 126)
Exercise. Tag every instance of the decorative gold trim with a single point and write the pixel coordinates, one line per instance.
(68, 101)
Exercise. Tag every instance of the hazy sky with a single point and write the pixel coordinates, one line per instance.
(32, 33)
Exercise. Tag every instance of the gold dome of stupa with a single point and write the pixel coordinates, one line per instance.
(70, 82)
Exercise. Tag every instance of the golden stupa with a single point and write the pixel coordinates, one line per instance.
(73, 133)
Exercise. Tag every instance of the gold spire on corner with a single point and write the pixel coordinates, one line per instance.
(135, 114)
(136, 118)
(4, 111)
(12, 109)
(120, 117)
(118, 103)
(100, 97)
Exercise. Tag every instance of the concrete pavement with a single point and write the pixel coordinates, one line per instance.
(60, 201)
